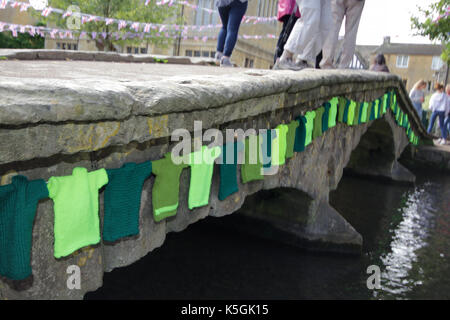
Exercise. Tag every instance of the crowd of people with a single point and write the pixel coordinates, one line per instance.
(309, 38)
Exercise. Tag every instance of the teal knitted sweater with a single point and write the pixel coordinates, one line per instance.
(123, 200)
(18, 203)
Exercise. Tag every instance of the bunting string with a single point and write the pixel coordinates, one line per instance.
(134, 25)
(55, 33)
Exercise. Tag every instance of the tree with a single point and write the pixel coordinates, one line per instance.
(22, 41)
(129, 10)
(434, 23)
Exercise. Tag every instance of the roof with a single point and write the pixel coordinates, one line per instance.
(410, 49)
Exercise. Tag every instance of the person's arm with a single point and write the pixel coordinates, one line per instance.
(432, 104)
(415, 96)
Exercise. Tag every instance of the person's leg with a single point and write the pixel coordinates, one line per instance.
(331, 40)
(224, 14)
(441, 117)
(237, 11)
(432, 120)
(352, 18)
(301, 41)
(325, 26)
(280, 44)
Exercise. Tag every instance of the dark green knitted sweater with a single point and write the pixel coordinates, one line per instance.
(18, 203)
(123, 200)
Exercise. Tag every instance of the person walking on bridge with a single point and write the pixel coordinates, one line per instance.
(231, 13)
(352, 11)
(307, 36)
(438, 106)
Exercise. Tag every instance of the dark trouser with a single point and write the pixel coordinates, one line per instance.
(231, 17)
(440, 115)
(280, 43)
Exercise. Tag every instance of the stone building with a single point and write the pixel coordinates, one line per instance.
(413, 62)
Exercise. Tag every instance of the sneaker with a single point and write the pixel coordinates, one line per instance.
(218, 56)
(285, 64)
(226, 62)
(441, 142)
(302, 64)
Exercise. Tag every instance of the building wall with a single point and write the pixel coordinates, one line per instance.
(419, 67)
(13, 15)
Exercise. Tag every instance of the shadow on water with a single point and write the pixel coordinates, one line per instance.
(406, 232)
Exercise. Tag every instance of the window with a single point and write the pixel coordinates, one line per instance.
(143, 50)
(129, 49)
(75, 46)
(429, 85)
(188, 53)
(402, 61)
(437, 63)
(205, 54)
(196, 53)
(213, 54)
(136, 50)
(58, 45)
(64, 46)
(202, 17)
(69, 46)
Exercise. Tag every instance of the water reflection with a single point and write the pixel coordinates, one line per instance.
(410, 235)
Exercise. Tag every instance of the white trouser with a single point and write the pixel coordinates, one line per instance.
(352, 10)
(310, 30)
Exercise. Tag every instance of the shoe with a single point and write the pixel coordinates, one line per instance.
(285, 64)
(226, 62)
(441, 142)
(302, 64)
(218, 56)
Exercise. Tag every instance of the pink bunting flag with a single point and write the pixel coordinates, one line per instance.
(15, 4)
(147, 27)
(13, 29)
(53, 33)
(46, 12)
(135, 26)
(122, 24)
(109, 21)
(3, 4)
(94, 35)
(66, 14)
(147, 2)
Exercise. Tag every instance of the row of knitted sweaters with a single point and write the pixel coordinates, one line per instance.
(76, 197)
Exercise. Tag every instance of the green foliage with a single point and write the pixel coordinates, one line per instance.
(22, 41)
(130, 10)
(434, 23)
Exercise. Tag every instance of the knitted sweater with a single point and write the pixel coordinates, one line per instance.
(318, 123)
(228, 169)
(202, 166)
(310, 117)
(123, 200)
(326, 116)
(333, 112)
(290, 138)
(251, 168)
(266, 147)
(18, 203)
(76, 209)
(165, 192)
(279, 145)
(300, 134)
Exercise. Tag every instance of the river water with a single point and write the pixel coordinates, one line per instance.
(406, 232)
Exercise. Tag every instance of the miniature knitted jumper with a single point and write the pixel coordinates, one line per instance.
(333, 112)
(266, 147)
(18, 203)
(351, 119)
(290, 138)
(76, 209)
(228, 169)
(342, 107)
(300, 134)
(279, 145)
(310, 116)
(364, 110)
(202, 166)
(326, 116)
(166, 188)
(252, 166)
(318, 123)
(123, 200)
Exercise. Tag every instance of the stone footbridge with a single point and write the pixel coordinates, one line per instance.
(57, 115)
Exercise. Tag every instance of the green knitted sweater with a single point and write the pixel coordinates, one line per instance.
(18, 203)
(123, 200)
(166, 188)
